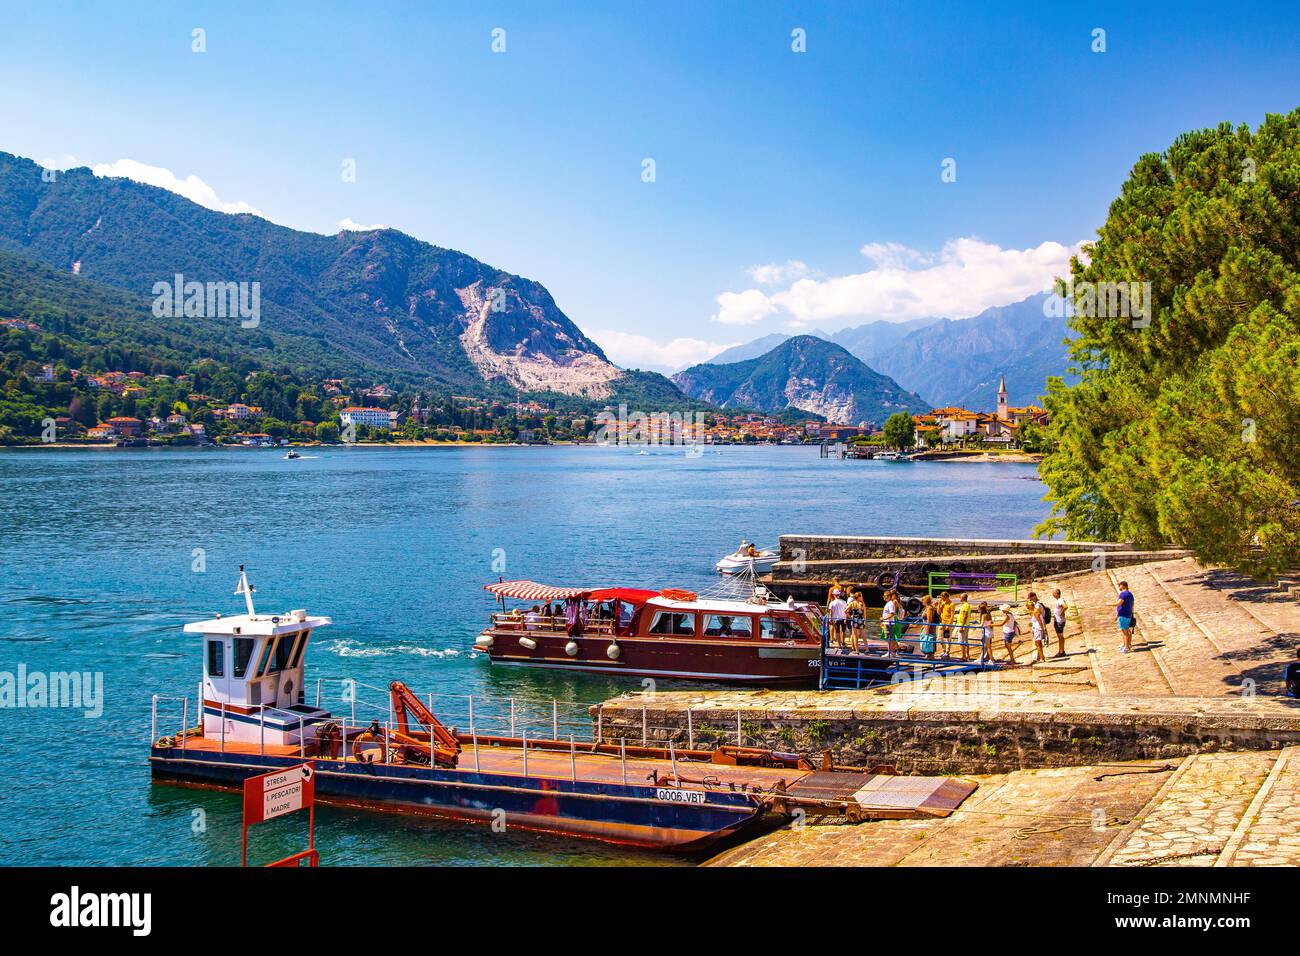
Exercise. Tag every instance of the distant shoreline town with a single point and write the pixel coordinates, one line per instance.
(134, 409)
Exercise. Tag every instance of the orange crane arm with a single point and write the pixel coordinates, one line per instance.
(445, 746)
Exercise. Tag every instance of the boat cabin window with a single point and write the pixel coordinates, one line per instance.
(264, 661)
(776, 629)
(217, 658)
(243, 652)
(672, 622)
(298, 650)
(728, 625)
(282, 651)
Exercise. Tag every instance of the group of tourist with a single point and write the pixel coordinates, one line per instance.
(949, 628)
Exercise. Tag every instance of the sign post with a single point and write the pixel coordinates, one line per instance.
(271, 795)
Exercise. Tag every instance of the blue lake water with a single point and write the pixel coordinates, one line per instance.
(97, 558)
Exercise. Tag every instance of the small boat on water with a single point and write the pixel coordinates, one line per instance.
(635, 632)
(748, 559)
(291, 455)
(254, 718)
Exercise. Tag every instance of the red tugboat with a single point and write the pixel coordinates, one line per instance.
(666, 634)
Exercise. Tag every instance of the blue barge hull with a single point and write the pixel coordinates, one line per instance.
(634, 814)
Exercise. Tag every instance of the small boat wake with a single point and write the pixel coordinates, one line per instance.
(347, 648)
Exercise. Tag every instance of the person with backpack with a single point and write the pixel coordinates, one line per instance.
(929, 627)
(888, 616)
(1059, 607)
(961, 626)
(1037, 625)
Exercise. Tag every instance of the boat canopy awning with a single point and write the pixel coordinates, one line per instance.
(532, 591)
(630, 595)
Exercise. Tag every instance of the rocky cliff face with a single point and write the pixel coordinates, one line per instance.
(806, 373)
(376, 301)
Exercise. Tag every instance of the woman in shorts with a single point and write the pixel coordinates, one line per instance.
(1009, 631)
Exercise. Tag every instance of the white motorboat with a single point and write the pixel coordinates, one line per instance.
(740, 562)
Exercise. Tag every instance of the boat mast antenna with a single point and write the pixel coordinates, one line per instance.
(246, 590)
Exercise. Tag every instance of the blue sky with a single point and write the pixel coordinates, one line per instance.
(791, 190)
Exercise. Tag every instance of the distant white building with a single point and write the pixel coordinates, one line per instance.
(360, 415)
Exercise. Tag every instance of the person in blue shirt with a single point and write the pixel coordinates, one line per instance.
(1124, 616)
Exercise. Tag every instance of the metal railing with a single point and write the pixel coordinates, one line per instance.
(553, 624)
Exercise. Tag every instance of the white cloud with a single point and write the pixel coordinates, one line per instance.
(963, 279)
(639, 351)
(777, 273)
(744, 308)
(892, 254)
(351, 226)
(191, 187)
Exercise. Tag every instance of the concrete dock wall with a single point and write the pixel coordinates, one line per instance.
(954, 732)
(810, 562)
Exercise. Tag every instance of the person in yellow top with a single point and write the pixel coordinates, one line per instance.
(961, 618)
(945, 607)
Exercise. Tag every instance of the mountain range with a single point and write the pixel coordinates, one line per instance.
(955, 361)
(377, 302)
(803, 372)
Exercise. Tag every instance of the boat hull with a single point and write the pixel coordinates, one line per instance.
(736, 662)
(632, 814)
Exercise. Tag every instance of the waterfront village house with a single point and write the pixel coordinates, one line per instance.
(99, 432)
(124, 427)
(238, 412)
(47, 375)
(371, 417)
(175, 421)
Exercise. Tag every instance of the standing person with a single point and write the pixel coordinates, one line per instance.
(1124, 616)
(961, 621)
(944, 606)
(986, 633)
(887, 615)
(929, 627)
(837, 609)
(857, 620)
(1009, 631)
(1059, 607)
(1037, 625)
(574, 616)
(834, 591)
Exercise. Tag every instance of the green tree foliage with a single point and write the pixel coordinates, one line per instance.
(900, 431)
(1187, 430)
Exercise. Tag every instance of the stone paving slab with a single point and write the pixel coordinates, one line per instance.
(1062, 816)
(1269, 834)
(1196, 817)
(1209, 809)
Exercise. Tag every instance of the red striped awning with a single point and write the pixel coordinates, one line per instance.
(532, 591)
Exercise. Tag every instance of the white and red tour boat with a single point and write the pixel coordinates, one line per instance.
(636, 632)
